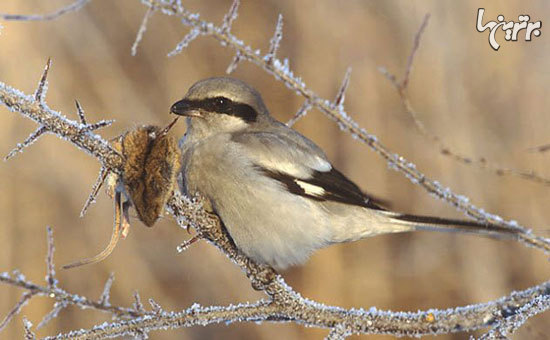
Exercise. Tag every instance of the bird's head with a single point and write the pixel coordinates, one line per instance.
(218, 105)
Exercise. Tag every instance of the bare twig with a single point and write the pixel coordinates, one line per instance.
(230, 16)
(50, 267)
(482, 162)
(142, 29)
(189, 37)
(416, 45)
(73, 7)
(16, 309)
(105, 295)
(58, 306)
(275, 41)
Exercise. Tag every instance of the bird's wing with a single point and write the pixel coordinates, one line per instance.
(301, 166)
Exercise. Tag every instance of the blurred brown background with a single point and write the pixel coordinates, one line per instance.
(481, 102)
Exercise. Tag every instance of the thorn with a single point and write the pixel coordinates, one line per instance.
(57, 307)
(80, 112)
(229, 17)
(90, 127)
(138, 306)
(104, 299)
(186, 244)
(234, 63)
(50, 267)
(405, 81)
(157, 309)
(306, 106)
(27, 325)
(31, 139)
(275, 41)
(43, 84)
(16, 309)
(341, 95)
(192, 35)
(99, 125)
(142, 28)
(95, 189)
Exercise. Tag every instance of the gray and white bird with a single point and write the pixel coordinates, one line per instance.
(276, 193)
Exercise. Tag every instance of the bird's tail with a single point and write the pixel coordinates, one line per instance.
(429, 223)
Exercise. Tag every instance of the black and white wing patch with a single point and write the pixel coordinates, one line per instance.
(297, 163)
(325, 186)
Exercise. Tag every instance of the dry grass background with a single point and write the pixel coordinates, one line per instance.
(481, 102)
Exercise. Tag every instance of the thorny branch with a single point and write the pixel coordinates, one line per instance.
(401, 86)
(283, 304)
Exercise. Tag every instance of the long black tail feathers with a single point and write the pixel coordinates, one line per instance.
(439, 224)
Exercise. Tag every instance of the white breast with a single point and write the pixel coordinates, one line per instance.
(266, 222)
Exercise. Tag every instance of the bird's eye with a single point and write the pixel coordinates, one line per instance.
(221, 101)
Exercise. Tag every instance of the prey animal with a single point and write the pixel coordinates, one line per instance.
(151, 161)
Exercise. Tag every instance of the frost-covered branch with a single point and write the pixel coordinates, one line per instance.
(54, 122)
(509, 324)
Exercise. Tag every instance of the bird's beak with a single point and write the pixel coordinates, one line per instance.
(185, 108)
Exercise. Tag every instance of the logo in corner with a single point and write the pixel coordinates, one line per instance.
(512, 29)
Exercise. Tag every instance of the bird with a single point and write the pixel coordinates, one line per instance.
(276, 193)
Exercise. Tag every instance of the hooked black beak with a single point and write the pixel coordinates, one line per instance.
(185, 107)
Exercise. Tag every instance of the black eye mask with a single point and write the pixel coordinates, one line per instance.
(220, 105)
